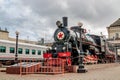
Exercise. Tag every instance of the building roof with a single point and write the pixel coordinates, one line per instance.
(20, 43)
(116, 23)
(4, 31)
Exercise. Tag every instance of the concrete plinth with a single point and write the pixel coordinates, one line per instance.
(75, 68)
(81, 69)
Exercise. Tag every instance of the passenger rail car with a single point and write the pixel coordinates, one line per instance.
(25, 51)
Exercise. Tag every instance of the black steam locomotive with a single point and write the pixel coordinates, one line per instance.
(72, 42)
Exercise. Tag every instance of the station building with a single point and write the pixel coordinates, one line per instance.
(114, 35)
(4, 35)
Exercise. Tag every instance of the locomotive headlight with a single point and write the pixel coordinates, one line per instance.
(55, 48)
(80, 24)
(63, 48)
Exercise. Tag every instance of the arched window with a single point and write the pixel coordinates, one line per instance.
(117, 35)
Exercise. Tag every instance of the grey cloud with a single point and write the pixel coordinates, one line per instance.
(93, 11)
(37, 17)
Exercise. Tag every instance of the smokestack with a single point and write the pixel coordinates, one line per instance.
(65, 22)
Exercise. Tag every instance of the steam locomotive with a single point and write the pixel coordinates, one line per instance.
(71, 43)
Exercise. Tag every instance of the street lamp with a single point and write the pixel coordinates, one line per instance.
(16, 55)
(81, 68)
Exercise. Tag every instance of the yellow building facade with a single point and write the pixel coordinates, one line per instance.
(4, 35)
(114, 36)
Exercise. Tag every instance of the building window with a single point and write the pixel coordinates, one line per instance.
(39, 52)
(2, 49)
(33, 52)
(117, 35)
(12, 50)
(27, 51)
(20, 50)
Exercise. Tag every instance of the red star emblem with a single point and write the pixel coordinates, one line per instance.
(60, 35)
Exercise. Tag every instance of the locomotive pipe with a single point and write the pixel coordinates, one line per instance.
(65, 21)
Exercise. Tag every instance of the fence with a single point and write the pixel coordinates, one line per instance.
(48, 66)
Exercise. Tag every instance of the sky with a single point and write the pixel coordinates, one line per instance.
(36, 19)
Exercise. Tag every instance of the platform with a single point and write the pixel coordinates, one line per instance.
(23, 68)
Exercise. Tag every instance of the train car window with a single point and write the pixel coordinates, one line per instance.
(33, 52)
(39, 52)
(27, 51)
(2, 49)
(12, 50)
(20, 50)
